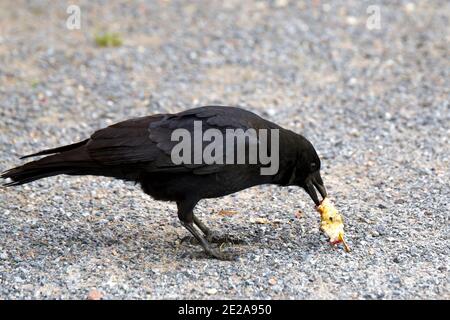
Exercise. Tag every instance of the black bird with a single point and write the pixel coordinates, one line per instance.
(139, 150)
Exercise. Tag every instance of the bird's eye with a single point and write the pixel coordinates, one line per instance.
(331, 219)
(313, 166)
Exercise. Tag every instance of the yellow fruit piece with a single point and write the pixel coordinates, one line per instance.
(332, 223)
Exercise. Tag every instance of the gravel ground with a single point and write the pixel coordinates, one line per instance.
(375, 103)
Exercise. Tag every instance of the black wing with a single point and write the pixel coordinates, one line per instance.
(146, 142)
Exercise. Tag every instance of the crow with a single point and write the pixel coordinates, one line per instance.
(141, 150)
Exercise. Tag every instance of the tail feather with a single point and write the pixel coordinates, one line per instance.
(73, 160)
(57, 150)
(25, 176)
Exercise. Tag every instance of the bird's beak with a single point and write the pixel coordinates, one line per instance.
(315, 181)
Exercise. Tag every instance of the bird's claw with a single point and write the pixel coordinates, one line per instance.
(214, 238)
(224, 256)
(223, 238)
(189, 239)
(213, 252)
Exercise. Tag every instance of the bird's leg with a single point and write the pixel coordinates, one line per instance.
(186, 217)
(213, 237)
(205, 244)
(206, 231)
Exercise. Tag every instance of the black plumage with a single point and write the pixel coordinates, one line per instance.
(140, 150)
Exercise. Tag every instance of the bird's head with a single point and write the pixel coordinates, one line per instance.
(307, 171)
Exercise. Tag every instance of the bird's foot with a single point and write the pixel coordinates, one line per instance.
(213, 252)
(214, 238)
(225, 256)
(189, 239)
